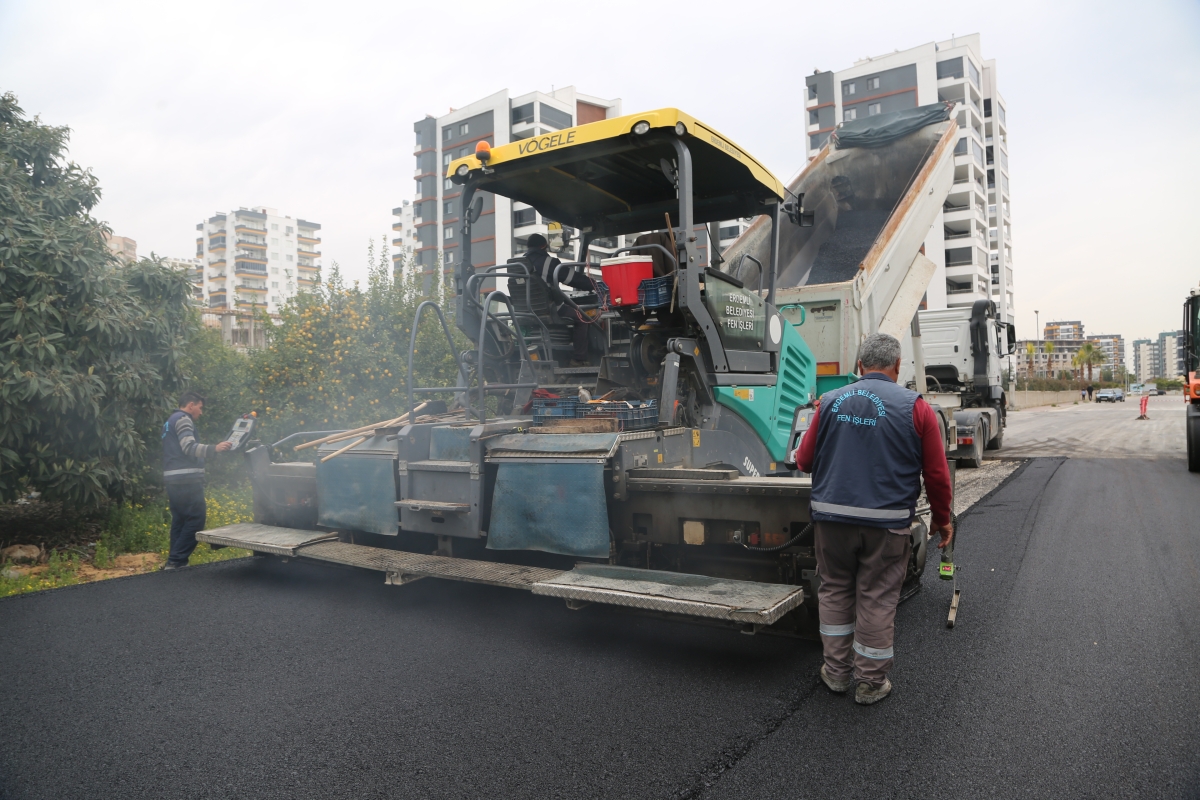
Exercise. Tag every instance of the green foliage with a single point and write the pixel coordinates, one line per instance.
(146, 527)
(89, 349)
(225, 377)
(339, 358)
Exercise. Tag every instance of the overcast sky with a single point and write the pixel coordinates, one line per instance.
(185, 109)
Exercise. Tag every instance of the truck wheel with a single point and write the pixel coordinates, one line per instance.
(976, 456)
(1192, 423)
(997, 441)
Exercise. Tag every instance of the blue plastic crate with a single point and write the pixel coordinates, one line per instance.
(631, 415)
(603, 295)
(656, 292)
(548, 408)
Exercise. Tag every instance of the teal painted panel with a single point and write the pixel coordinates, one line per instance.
(769, 409)
(358, 494)
(556, 508)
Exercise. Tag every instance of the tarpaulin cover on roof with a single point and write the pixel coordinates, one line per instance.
(886, 128)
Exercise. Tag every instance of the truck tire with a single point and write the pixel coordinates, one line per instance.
(997, 441)
(975, 459)
(1192, 423)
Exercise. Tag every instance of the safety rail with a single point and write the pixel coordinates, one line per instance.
(496, 272)
(412, 347)
(484, 388)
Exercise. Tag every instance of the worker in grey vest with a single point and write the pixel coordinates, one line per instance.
(867, 447)
(183, 475)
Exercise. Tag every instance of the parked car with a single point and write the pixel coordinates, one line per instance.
(1161, 391)
(1110, 396)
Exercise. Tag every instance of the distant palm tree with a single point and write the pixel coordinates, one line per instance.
(1088, 356)
(1048, 348)
(1030, 349)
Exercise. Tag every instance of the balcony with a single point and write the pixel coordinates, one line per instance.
(253, 258)
(310, 267)
(302, 253)
(307, 281)
(251, 230)
(252, 243)
(217, 276)
(214, 302)
(215, 245)
(245, 287)
(308, 239)
(397, 226)
(241, 303)
(241, 268)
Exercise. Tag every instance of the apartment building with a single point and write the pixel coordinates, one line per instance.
(1113, 345)
(254, 259)
(404, 243)
(1145, 360)
(971, 241)
(122, 247)
(1171, 356)
(1071, 329)
(504, 227)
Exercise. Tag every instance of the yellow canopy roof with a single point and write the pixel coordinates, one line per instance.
(606, 179)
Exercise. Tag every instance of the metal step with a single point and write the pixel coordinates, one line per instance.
(263, 538)
(743, 602)
(438, 466)
(674, 593)
(435, 506)
(577, 370)
(767, 486)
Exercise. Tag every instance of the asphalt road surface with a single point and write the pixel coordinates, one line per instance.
(1072, 673)
(1099, 430)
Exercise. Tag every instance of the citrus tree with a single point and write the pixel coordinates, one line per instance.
(89, 348)
(338, 358)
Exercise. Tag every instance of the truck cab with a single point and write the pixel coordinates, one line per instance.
(963, 352)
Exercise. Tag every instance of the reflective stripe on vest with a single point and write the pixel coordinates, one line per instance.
(877, 653)
(837, 630)
(866, 513)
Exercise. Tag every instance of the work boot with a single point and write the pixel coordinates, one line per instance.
(865, 694)
(168, 567)
(835, 685)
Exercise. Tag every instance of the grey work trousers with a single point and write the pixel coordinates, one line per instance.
(862, 569)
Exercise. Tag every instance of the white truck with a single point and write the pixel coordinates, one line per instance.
(963, 350)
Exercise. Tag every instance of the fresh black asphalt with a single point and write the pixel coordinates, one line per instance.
(1072, 673)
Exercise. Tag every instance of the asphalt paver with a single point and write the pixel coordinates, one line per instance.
(1071, 673)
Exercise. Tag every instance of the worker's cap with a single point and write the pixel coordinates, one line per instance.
(537, 240)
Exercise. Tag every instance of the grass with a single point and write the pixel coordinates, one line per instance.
(143, 529)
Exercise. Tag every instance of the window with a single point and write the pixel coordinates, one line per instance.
(447, 184)
(847, 89)
(812, 91)
(448, 209)
(275, 270)
(446, 159)
(274, 284)
(814, 118)
(973, 71)
(873, 83)
(464, 152)
(732, 232)
(274, 226)
(1000, 108)
(524, 216)
(447, 132)
(275, 299)
(987, 106)
(850, 114)
(816, 140)
(951, 68)
(522, 114)
(874, 108)
(275, 241)
(290, 257)
(552, 117)
(275, 256)
(448, 232)
(288, 230)
(462, 129)
(449, 259)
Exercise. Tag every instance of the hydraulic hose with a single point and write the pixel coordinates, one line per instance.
(779, 547)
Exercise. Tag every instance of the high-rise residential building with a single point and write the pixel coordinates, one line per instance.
(1145, 360)
(1113, 346)
(404, 243)
(122, 246)
(257, 258)
(1071, 329)
(971, 241)
(1171, 355)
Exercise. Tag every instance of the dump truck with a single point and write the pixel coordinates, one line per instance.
(1191, 389)
(963, 351)
(655, 477)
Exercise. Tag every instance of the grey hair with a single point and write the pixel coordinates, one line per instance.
(879, 351)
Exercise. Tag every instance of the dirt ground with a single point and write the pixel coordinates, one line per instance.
(128, 564)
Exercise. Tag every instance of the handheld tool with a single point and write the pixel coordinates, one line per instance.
(948, 572)
(242, 428)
